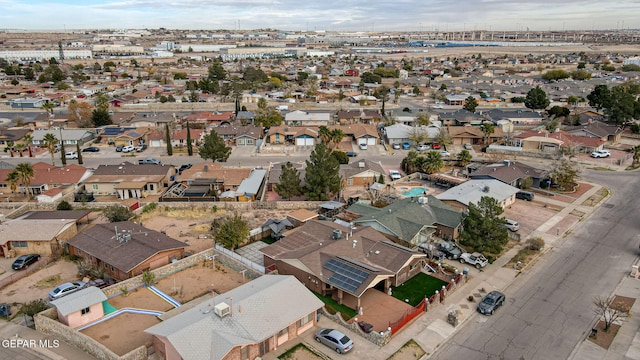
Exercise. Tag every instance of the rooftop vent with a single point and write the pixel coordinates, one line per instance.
(485, 189)
(206, 168)
(337, 234)
(222, 309)
(361, 164)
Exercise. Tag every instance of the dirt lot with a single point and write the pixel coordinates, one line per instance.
(183, 286)
(36, 286)
(530, 215)
(193, 226)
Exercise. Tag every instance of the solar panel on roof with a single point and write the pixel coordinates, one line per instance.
(345, 276)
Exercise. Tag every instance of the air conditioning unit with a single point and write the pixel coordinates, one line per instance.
(222, 309)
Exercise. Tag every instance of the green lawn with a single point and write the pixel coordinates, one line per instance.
(416, 288)
(347, 312)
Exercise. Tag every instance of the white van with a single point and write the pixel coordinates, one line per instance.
(71, 155)
(512, 225)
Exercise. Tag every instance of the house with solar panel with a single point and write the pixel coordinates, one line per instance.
(244, 323)
(130, 181)
(342, 262)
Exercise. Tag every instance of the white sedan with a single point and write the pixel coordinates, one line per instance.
(600, 154)
(445, 153)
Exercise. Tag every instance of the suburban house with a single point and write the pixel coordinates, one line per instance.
(212, 178)
(294, 135)
(250, 188)
(47, 177)
(47, 231)
(518, 117)
(15, 136)
(361, 173)
(244, 323)
(459, 197)
(208, 118)
(240, 135)
(70, 137)
(597, 129)
(275, 172)
(81, 307)
(304, 118)
(365, 116)
(472, 135)
(412, 220)
(109, 133)
(125, 249)
(510, 172)
(460, 117)
(401, 133)
(532, 140)
(152, 120)
(132, 137)
(342, 262)
(360, 133)
(126, 181)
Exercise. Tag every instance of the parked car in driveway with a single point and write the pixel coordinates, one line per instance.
(334, 339)
(422, 147)
(23, 261)
(141, 147)
(351, 154)
(128, 148)
(467, 146)
(406, 146)
(451, 251)
(66, 289)
(600, 154)
(490, 303)
(512, 225)
(445, 153)
(100, 283)
(476, 259)
(396, 146)
(395, 174)
(363, 146)
(119, 148)
(525, 195)
(91, 149)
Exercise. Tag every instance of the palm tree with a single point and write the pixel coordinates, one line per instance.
(25, 173)
(336, 136)
(20, 148)
(50, 141)
(10, 147)
(13, 178)
(27, 140)
(324, 134)
(48, 107)
(433, 162)
(408, 164)
(464, 157)
(487, 130)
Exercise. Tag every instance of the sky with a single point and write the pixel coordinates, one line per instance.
(329, 15)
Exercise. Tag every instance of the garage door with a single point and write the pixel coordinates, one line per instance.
(371, 141)
(155, 143)
(304, 141)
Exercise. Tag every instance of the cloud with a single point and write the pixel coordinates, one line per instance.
(397, 15)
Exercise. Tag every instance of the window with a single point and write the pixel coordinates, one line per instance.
(305, 320)
(283, 331)
(151, 187)
(350, 181)
(19, 244)
(249, 141)
(85, 311)
(94, 186)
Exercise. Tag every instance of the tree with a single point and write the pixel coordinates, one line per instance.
(564, 173)
(408, 163)
(268, 117)
(336, 137)
(64, 205)
(558, 111)
(213, 148)
(189, 144)
(25, 173)
(573, 100)
(371, 78)
(322, 177)
(470, 104)
(262, 103)
(289, 182)
(79, 153)
(623, 105)
(324, 134)
(536, 99)
(216, 71)
(483, 227)
(13, 179)
(432, 162)
(555, 74)
(383, 93)
(230, 231)
(580, 75)
(600, 97)
(487, 130)
(610, 310)
(50, 141)
(167, 139)
(100, 117)
(443, 136)
(464, 157)
(117, 213)
(148, 277)
(418, 135)
(48, 107)
(80, 113)
(63, 154)
(102, 100)
(341, 156)
(34, 307)
(423, 119)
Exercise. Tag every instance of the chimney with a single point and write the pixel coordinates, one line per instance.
(206, 168)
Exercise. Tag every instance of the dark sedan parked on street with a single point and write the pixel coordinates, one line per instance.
(491, 302)
(23, 261)
(91, 149)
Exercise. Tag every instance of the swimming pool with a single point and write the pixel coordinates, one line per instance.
(414, 192)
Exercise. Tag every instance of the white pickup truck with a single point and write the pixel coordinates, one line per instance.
(476, 259)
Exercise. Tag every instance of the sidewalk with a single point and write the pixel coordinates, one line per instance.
(431, 330)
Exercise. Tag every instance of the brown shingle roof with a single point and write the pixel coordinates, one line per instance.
(100, 241)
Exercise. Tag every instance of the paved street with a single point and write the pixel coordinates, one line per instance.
(549, 310)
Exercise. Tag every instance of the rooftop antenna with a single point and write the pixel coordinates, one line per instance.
(60, 52)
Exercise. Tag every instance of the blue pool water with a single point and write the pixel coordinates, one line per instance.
(413, 192)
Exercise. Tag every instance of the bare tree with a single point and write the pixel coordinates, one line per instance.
(610, 310)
